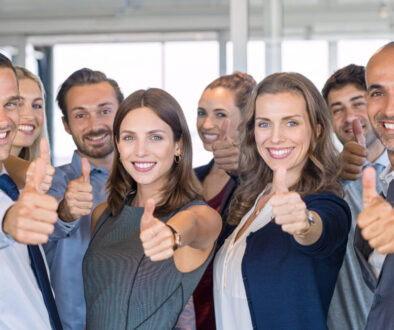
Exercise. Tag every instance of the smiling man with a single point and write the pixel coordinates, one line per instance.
(88, 101)
(344, 93)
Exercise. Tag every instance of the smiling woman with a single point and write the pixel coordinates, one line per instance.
(32, 121)
(155, 231)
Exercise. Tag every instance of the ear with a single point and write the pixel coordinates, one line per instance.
(66, 126)
(318, 130)
(178, 147)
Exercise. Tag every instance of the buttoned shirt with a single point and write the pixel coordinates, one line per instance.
(67, 245)
(21, 302)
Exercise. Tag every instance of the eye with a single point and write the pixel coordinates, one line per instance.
(106, 112)
(11, 105)
(359, 104)
(157, 138)
(292, 123)
(263, 124)
(221, 115)
(375, 93)
(201, 113)
(337, 110)
(79, 116)
(127, 138)
(37, 106)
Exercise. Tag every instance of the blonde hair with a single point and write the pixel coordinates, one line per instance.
(29, 153)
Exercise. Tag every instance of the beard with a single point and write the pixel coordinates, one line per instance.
(384, 137)
(100, 150)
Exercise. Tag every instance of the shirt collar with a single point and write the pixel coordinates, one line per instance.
(76, 165)
(385, 177)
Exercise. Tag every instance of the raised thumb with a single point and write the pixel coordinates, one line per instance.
(147, 217)
(44, 151)
(224, 129)
(37, 172)
(279, 180)
(85, 170)
(358, 132)
(369, 186)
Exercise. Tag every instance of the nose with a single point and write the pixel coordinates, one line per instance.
(349, 115)
(388, 107)
(26, 112)
(277, 134)
(208, 123)
(140, 148)
(4, 121)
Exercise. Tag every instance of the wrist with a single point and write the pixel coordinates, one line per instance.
(311, 223)
(176, 237)
(63, 213)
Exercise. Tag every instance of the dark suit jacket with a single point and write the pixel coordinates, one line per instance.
(381, 315)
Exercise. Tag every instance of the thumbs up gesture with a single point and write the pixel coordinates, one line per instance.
(354, 154)
(31, 219)
(157, 239)
(376, 221)
(288, 208)
(49, 169)
(224, 150)
(78, 199)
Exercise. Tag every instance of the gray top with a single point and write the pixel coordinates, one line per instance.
(123, 288)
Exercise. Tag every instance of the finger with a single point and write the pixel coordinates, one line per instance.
(85, 167)
(27, 237)
(35, 226)
(369, 186)
(161, 234)
(286, 201)
(358, 132)
(224, 129)
(147, 218)
(279, 181)
(162, 255)
(44, 151)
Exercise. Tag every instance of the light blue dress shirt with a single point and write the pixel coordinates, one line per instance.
(68, 243)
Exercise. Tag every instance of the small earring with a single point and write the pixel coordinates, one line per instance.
(177, 159)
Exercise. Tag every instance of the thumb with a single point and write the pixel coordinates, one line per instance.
(358, 132)
(147, 217)
(224, 129)
(38, 170)
(44, 151)
(279, 180)
(85, 170)
(369, 186)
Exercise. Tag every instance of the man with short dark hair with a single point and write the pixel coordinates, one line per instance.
(88, 101)
(26, 220)
(344, 93)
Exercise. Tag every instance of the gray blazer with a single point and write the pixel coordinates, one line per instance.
(381, 315)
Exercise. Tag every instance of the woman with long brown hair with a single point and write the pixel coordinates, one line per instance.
(153, 239)
(278, 269)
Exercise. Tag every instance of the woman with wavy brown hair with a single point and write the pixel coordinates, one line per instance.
(153, 239)
(278, 268)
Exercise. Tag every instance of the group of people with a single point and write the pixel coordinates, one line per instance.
(278, 231)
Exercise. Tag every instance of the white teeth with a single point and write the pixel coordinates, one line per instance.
(26, 128)
(210, 137)
(3, 135)
(143, 165)
(388, 126)
(95, 138)
(280, 152)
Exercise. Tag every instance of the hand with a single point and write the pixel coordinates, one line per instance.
(288, 208)
(157, 239)
(78, 199)
(49, 169)
(31, 219)
(224, 151)
(354, 154)
(376, 221)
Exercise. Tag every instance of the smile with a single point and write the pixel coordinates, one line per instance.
(279, 153)
(4, 137)
(143, 166)
(388, 125)
(210, 137)
(26, 128)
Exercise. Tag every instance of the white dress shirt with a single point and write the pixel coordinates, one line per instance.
(231, 305)
(21, 302)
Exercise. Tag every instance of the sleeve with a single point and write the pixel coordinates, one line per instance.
(5, 240)
(336, 220)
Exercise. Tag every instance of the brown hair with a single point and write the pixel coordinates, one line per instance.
(320, 172)
(182, 186)
(83, 77)
(6, 63)
(241, 84)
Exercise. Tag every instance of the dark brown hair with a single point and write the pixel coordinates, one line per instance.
(6, 63)
(80, 78)
(320, 172)
(349, 75)
(241, 84)
(182, 186)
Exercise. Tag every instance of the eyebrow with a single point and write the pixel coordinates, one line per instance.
(284, 118)
(150, 132)
(374, 86)
(101, 105)
(14, 98)
(354, 98)
(214, 110)
(34, 100)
